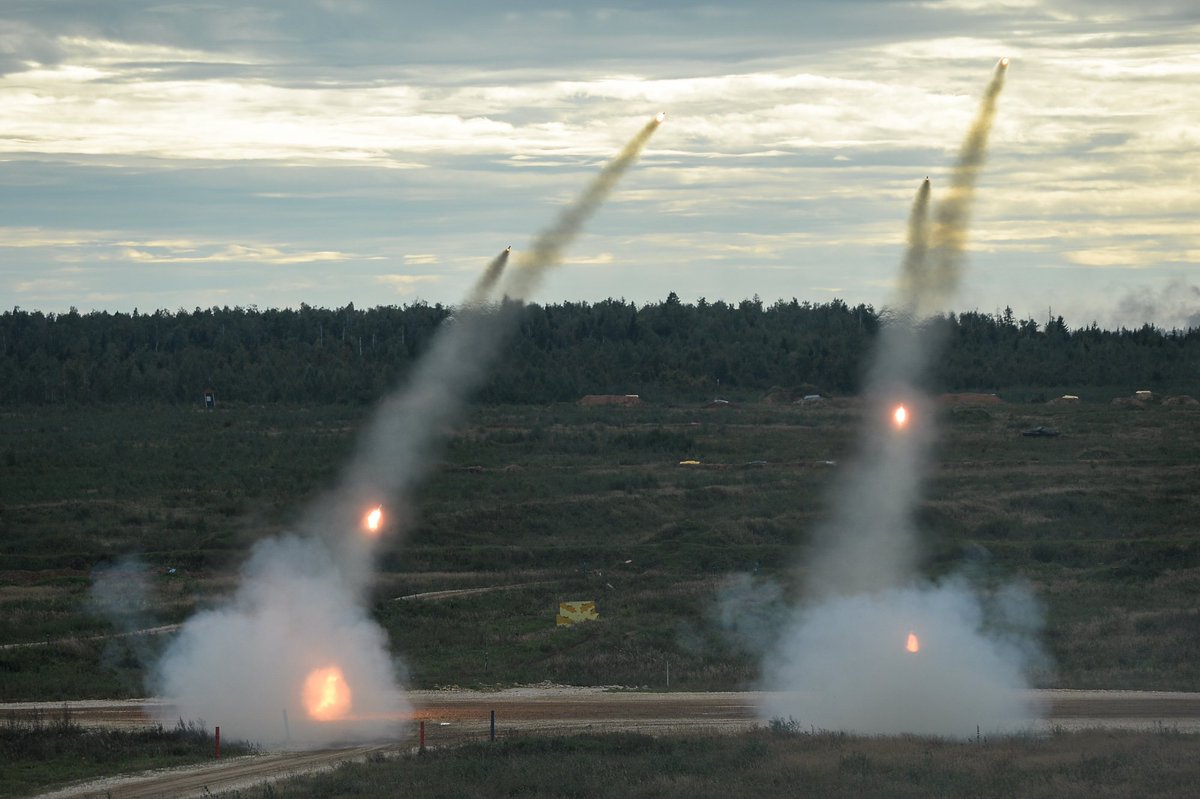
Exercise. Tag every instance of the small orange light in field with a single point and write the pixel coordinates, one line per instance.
(374, 519)
(913, 644)
(900, 416)
(326, 695)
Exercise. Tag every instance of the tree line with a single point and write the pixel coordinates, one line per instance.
(558, 352)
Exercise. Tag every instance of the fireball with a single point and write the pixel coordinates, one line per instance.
(660, 116)
(326, 694)
(913, 644)
(373, 520)
(900, 416)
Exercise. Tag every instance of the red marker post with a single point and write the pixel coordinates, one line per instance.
(218, 737)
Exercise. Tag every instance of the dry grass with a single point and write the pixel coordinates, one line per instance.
(1085, 764)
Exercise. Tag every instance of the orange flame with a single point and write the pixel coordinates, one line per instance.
(374, 519)
(326, 694)
(900, 416)
(913, 644)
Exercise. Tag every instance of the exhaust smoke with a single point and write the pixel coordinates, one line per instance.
(294, 657)
(246, 664)
(849, 657)
(948, 239)
(913, 272)
(547, 248)
(482, 289)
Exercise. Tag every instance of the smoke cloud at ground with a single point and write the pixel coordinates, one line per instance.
(300, 604)
(241, 665)
(846, 661)
(839, 660)
(121, 594)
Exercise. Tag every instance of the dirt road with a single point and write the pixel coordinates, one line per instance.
(217, 777)
(452, 717)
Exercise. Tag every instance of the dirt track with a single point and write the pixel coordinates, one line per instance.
(452, 717)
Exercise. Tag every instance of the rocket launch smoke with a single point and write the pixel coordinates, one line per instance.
(913, 273)
(395, 449)
(242, 665)
(300, 605)
(547, 249)
(840, 660)
(948, 238)
(488, 280)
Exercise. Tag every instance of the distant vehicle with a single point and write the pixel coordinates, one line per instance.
(1040, 432)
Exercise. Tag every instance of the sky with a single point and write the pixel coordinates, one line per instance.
(158, 154)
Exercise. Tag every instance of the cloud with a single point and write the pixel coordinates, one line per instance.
(599, 259)
(174, 253)
(115, 246)
(255, 125)
(29, 237)
(44, 285)
(407, 284)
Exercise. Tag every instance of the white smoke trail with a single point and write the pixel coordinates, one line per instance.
(840, 660)
(881, 551)
(396, 448)
(299, 609)
(548, 247)
(952, 219)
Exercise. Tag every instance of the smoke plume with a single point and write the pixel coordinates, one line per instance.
(121, 594)
(294, 657)
(843, 658)
(548, 247)
(846, 662)
(1174, 306)
(913, 271)
(948, 239)
(487, 281)
(243, 665)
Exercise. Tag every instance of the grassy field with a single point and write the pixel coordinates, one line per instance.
(39, 752)
(562, 503)
(774, 763)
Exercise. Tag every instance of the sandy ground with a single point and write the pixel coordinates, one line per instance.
(453, 717)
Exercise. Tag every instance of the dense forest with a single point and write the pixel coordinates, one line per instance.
(669, 350)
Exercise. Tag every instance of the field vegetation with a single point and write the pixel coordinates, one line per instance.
(107, 465)
(779, 762)
(557, 502)
(38, 751)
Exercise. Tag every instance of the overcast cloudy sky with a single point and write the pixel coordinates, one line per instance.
(159, 154)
